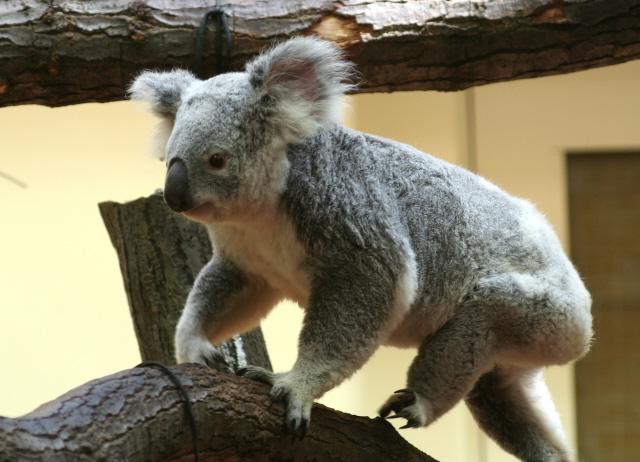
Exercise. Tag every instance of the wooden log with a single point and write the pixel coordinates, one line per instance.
(64, 52)
(137, 415)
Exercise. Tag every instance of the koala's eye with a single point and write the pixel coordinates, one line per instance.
(217, 161)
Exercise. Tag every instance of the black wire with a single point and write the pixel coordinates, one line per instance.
(223, 42)
(185, 398)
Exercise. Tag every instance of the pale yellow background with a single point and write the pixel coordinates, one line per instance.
(63, 314)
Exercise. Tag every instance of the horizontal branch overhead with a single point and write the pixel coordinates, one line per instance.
(138, 415)
(57, 52)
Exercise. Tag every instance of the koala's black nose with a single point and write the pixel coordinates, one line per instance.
(176, 187)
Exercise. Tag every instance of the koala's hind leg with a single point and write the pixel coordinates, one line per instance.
(514, 407)
(448, 364)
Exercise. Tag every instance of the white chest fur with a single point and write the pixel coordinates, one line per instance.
(267, 247)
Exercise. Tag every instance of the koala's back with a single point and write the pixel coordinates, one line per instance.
(350, 190)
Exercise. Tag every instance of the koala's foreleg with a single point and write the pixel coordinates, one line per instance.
(346, 318)
(448, 364)
(224, 301)
(515, 408)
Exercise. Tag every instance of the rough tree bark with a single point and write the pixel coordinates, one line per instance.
(58, 52)
(160, 255)
(137, 415)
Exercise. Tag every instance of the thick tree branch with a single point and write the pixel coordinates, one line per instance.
(137, 415)
(64, 52)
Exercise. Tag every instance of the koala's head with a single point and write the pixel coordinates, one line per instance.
(224, 139)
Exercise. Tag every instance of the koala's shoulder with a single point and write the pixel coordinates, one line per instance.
(336, 194)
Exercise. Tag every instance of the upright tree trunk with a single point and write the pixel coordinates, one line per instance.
(160, 255)
(64, 52)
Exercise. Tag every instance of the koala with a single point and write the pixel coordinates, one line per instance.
(379, 243)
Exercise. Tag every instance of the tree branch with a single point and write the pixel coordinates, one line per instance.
(57, 53)
(137, 415)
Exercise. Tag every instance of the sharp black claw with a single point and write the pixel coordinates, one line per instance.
(217, 362)
(304, 428)
(410, 424)
(296, 428)
(280, 396)
(399, 400)
(293, 425)
(242, 371)
(407, 397)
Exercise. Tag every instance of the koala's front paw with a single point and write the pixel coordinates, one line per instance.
(283, 388)
(199, 350)
(297, 403)
(409, 405)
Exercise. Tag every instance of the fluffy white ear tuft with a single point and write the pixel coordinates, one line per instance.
(163, 90)
(300, 84)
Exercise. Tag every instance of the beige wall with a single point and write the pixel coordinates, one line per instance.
(63, 313)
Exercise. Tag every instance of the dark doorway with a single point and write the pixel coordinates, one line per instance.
(604, 205)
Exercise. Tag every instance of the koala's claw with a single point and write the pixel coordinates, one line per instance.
(297, 411)
(284, 389)
(297, 406)
(298, 426)
(404, 403)
(200, 351)
(259, 374)
(215, 360)
(396, 402)
(411, 423)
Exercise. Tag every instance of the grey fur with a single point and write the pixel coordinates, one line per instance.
(163, 90)
(380, 243)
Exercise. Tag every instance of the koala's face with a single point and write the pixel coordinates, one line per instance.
(211, 153)
(225, 137)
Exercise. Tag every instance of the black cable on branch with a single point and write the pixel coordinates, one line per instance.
(185, 398)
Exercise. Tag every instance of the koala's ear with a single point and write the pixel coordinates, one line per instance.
(163, 90)
(300, 84)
